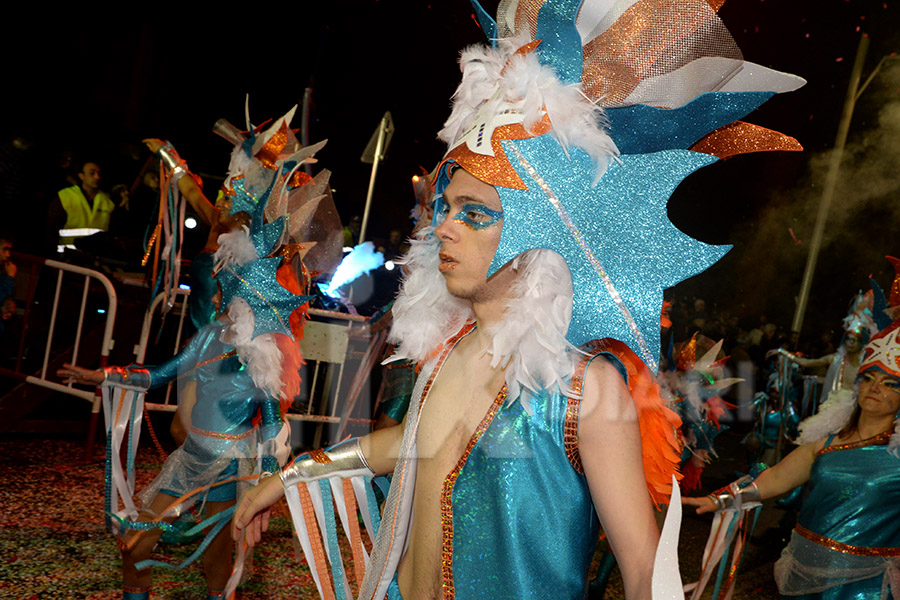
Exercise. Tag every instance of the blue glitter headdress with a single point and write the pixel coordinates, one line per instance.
(262, 175)
(667, 81)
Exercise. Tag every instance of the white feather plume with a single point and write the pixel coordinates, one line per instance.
(239, 163)
(494, 77)
(260, 354)
(832, 416)
(425, 314)
(235, 248)
(530, 341)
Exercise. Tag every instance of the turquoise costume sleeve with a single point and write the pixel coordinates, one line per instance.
(186, 360)
(268, 429)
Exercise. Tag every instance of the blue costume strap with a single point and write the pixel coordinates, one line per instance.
(374, 515)
(222, 519)
(140, 525)
(337, 566)
(107, 479)
(129, 466)
(724, 561)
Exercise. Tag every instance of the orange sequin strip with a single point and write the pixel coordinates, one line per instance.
(401, 469)
(742, 138)
(356, 545)
(877, 440)
(209, 361)
(573, 405)
(315, 539)
(318, 455)
(845, 548)
(447, 496)
(222, 436)
(270, 151)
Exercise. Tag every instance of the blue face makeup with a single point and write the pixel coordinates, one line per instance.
(473, 215)
(477, 216)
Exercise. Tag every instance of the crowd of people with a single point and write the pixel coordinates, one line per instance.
(537, 407)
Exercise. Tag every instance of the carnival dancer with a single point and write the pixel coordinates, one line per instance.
(846, 544)
(843, 365)
(246, 365)
(542, 242)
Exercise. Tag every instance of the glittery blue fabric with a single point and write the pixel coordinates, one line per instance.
(203, 288)
(854, 499)
(227, 401)
(560, 41)
(265, 237)
(485, 21)
(639, 129)
(256, 283)
(623, 224)
(523, 520)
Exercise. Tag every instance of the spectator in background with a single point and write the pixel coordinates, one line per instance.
(7, 282)
(82, 206)
(351, 231)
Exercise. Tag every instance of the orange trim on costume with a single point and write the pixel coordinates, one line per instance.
(876, 440)
(315, 537)
(447, 497)
(845, 548)
(356, 545)
(496, 169)
(401, 468)
(742, 138)
(573, 406)
(273, 147)
(660, 448)
(627, 51)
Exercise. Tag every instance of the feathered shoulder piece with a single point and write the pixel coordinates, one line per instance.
(660, 446)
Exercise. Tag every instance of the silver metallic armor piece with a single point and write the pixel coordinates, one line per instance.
(343, 460)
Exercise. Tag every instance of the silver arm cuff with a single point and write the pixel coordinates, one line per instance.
(127, 377)
(173, 162)
(343, 460)
(735, 496)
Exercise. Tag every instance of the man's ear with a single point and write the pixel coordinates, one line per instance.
(81, 177)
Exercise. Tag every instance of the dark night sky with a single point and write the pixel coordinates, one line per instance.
(100, 88)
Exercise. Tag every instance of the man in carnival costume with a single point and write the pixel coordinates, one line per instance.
(246, 364)
(549, 232)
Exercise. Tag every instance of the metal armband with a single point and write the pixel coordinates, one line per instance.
(172, 161)
(736, 494)
(343, 460)
(127, 377)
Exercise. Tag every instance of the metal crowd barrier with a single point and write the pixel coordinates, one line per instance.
(29, 267)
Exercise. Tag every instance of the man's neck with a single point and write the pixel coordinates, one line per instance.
(89, 193)
(487, 315)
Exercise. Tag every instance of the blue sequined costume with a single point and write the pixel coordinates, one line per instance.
(848, 531)
(222, 441)
(518, 518)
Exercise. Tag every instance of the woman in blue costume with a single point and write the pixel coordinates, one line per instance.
(221, 444)
(846, 544)
(245, 363)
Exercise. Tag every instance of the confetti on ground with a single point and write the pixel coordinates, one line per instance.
(53, 545)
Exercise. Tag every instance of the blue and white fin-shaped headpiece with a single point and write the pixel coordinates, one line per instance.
(586, 116)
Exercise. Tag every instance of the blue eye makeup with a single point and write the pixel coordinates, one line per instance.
(441, 208)
(477, 216)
